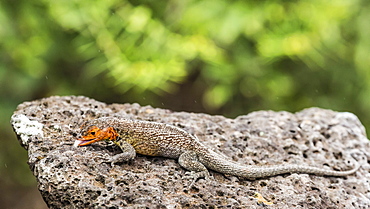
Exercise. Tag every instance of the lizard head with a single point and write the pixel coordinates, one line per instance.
(93, 134)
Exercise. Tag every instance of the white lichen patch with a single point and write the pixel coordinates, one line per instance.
(25, 128)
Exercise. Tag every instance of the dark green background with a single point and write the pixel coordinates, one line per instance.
(214, 56)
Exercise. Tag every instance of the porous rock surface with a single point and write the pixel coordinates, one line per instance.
(79, 177)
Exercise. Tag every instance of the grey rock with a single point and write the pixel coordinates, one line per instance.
(81, 177)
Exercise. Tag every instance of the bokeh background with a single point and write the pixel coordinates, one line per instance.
(213, 56)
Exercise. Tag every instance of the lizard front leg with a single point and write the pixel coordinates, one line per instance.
(128, 152)
(189, 160)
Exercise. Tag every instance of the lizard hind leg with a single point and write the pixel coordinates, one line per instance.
(189, 161)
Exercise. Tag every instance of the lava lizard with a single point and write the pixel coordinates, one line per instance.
(159, 139)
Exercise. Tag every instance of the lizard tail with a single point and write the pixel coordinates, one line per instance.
(218, 163)
(265, 171)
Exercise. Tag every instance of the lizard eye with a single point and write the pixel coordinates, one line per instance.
(92, 131)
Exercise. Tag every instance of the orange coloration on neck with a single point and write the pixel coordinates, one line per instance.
(95, 134)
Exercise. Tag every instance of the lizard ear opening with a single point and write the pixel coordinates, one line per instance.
(111, 134)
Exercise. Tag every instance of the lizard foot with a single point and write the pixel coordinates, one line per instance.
(122, 157)
(194, 176)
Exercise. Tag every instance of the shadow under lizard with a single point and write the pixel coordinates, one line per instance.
(159, 139)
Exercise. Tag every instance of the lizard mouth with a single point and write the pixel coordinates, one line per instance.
(95, 134)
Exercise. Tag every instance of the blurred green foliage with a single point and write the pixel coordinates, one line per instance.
(216, 56)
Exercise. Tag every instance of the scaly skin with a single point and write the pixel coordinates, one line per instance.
(159, 139)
